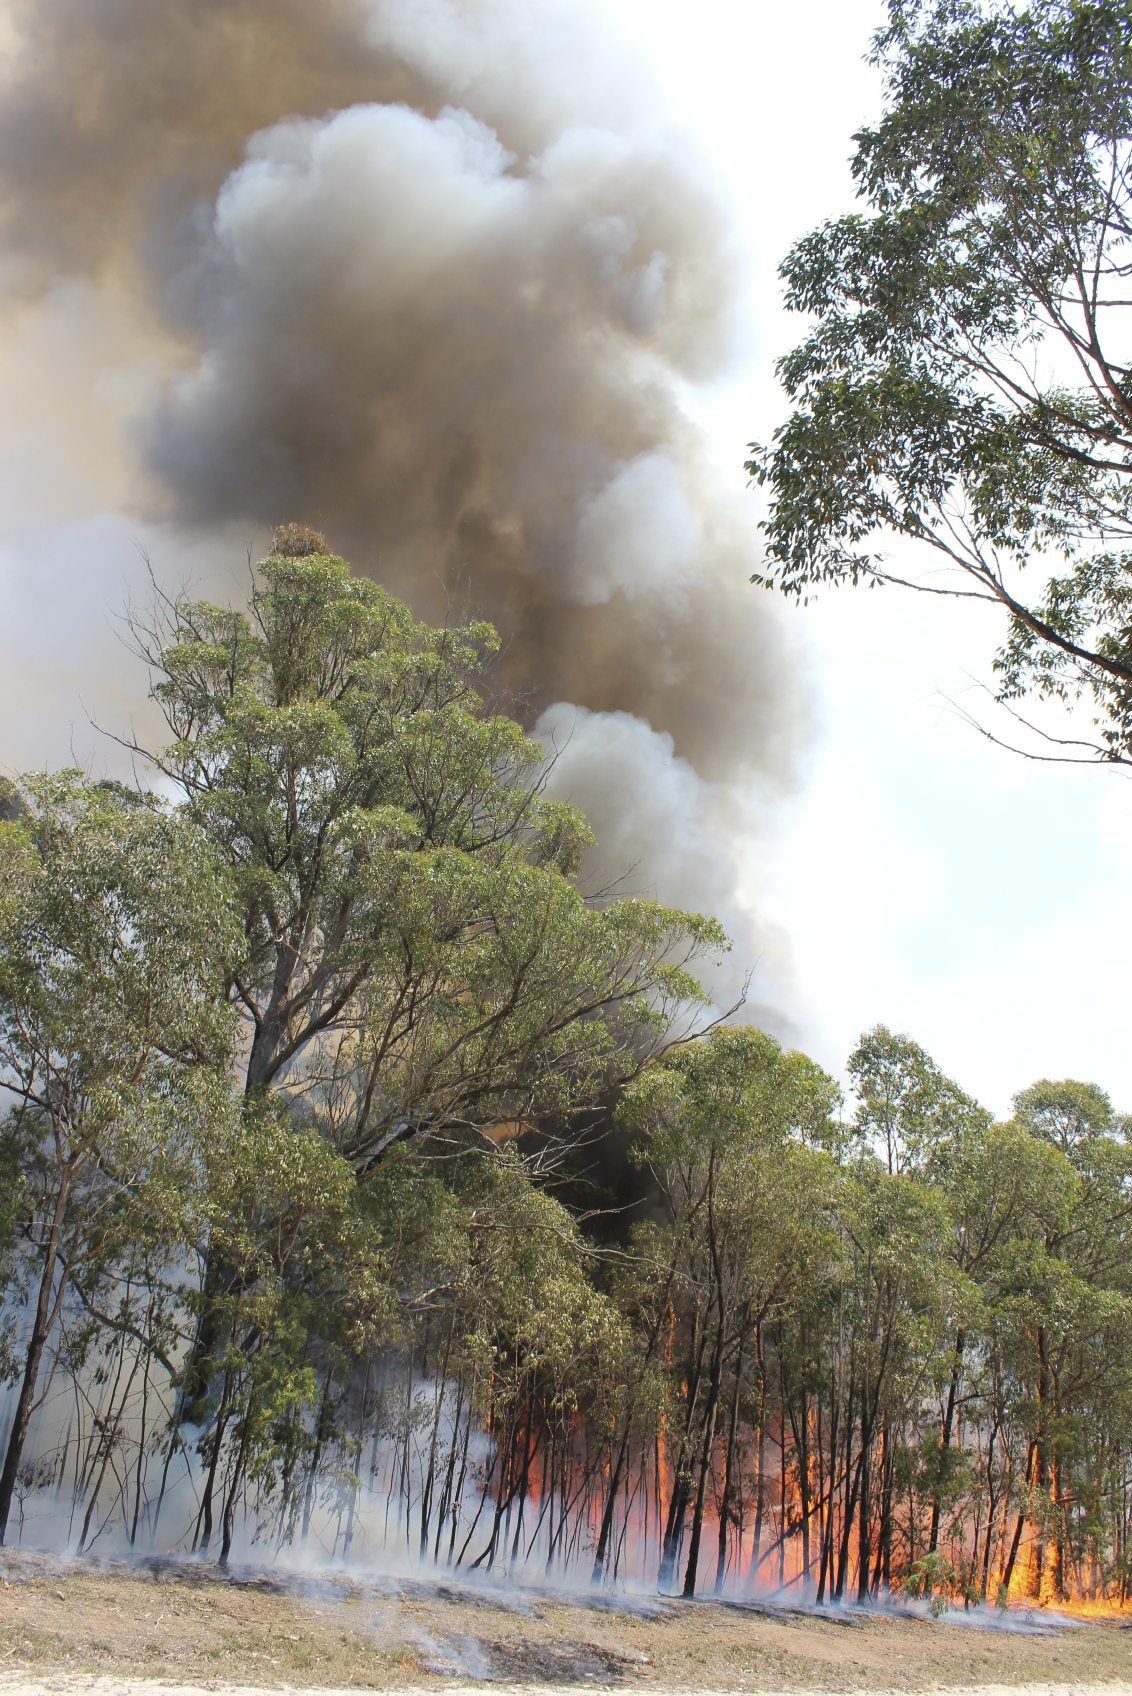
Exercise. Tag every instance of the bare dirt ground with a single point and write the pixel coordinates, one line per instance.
(110, 1629)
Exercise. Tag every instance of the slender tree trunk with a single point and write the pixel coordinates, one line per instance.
(49, 1301)
(111, 1432)
(1055, 1576)
(710, 1413)
(864, 1544)
(681, 1482)
(760, 1466)
(882, 1560)
(1039, 1473)
(1015, 1542)
(356, 1482)
(945, 1433)
(322, 1431)
(228, 1518)
(434, 1440)
(530, 1449)
(204, 1518)
(825, 1571)
(852, 1480)
(729, 1468)
(454, 1445)
(601, 1553)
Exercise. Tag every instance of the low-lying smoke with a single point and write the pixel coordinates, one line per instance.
(432, 275)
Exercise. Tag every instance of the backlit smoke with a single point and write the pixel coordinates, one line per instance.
(661, 827)
(432, 276)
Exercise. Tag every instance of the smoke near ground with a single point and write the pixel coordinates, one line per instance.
(432, 276)
(360, 1633)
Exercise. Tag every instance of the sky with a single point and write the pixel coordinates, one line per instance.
(927, 879)
(921, 876)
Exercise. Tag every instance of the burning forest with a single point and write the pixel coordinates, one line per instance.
(405, 1166)
(375, 1196)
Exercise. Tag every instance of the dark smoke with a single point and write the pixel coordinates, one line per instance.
(431, 275)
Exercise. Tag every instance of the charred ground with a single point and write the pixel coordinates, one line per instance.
(188, 1622)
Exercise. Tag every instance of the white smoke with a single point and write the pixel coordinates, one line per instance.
(638, 793)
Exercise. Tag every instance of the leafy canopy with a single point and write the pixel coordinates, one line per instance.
(117, 936)
(965, 383)
(417, 954)
(906, 1107)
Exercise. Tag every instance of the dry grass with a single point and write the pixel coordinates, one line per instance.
(191, 1624)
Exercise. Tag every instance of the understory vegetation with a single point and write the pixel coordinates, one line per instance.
(370, 1191)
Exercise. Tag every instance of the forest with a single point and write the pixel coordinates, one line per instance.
(375, 1191)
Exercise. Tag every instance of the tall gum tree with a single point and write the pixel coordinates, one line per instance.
(417, 956)
(917, 1120)
(1065, 1310)
(726, 1126)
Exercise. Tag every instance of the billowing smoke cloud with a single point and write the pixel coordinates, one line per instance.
(666, 833)
(431, 275)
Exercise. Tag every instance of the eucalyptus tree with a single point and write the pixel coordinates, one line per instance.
(416, 953)
(992, 1179)
(919, 1122)
(721, 1123)
(405, 887)
(117, 935)
(892, 1316)
(965, 382)
(907, 1108)
(1064, 1316)
(548, 1351)
(314, 1281)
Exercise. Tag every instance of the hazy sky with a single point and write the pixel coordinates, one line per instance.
(927, 879)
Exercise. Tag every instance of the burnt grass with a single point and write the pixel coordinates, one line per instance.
(162, 1619)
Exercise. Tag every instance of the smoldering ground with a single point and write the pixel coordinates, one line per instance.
(260, 1629)
(433, 275)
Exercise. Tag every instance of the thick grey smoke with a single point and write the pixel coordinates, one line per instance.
(431, 275)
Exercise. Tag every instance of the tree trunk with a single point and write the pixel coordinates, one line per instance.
(864, 1544)
(946, 1428)
(729, 1468)
(322, 1431)
(47, 1308)
(1039, 1474)
(710, 1412)
(681, 1483)
(228, 1519)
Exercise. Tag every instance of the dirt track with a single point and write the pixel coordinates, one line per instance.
(114, 1630)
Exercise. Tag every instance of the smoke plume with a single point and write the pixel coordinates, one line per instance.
(433, 276)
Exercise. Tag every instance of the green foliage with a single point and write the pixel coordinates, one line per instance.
(934, 1579)
(905, 1104)
(290, 1069)
(117, 938)
(964, 383)
(1071, 1116)
(536, 1315)
(283, 1212)
(726, 1125)
(416, 947)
